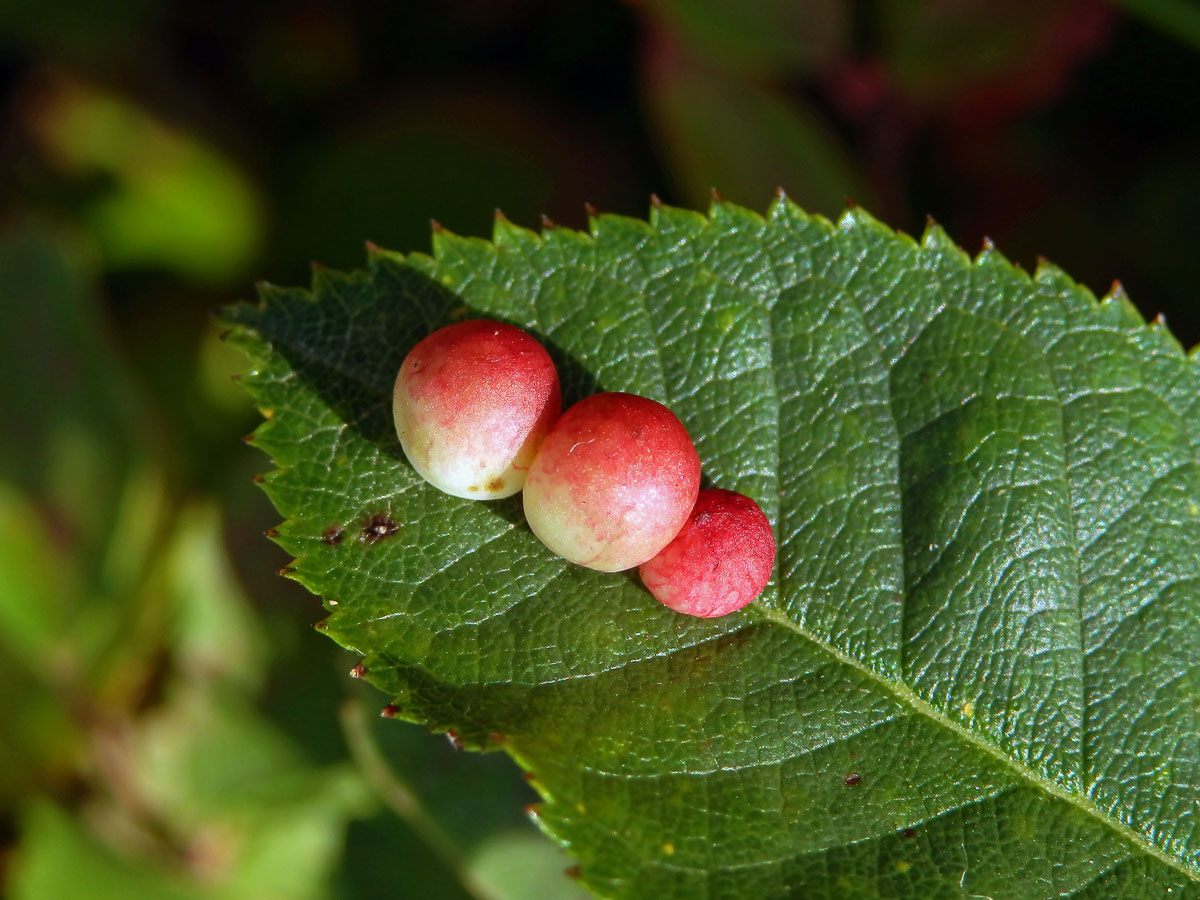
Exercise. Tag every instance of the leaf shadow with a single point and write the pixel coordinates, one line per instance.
(347, 338)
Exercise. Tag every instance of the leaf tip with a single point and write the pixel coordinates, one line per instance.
(271, 533)
(390, 711)
(285, 571)
(358, 671)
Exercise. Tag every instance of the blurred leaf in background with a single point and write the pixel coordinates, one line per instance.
(723, 131)
(158, 197)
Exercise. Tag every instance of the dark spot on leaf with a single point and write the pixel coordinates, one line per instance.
(389, 711)
(572, 871)
(453, 738)
(377, 528)
(496, 737)
(358, 671)
(852, 779)
(333, 534)
(909, 833)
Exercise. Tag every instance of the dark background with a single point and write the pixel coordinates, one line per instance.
(156, 158)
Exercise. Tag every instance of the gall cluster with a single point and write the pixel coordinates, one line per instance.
(612, 483)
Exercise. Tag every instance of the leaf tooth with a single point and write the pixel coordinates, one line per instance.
(358, 671)
(326, 280)
(509, 235)
(548, 224)
(270, 295)
(1115, 290)
(934, 239)
(728, 214)
(859, 218)
(390, 711)
(1160, 333)
(784, 209)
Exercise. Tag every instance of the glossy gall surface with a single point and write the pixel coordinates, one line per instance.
(472, 403)
(720, 561)
(615, 480)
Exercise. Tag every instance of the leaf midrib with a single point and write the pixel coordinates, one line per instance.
(905, 695)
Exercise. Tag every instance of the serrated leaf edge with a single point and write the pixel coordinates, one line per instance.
(507, 235)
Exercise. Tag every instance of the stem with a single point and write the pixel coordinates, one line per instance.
(397, 795)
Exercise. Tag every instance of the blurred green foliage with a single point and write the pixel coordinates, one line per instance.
(171, 725)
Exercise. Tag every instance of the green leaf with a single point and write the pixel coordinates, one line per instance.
(977, 669)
